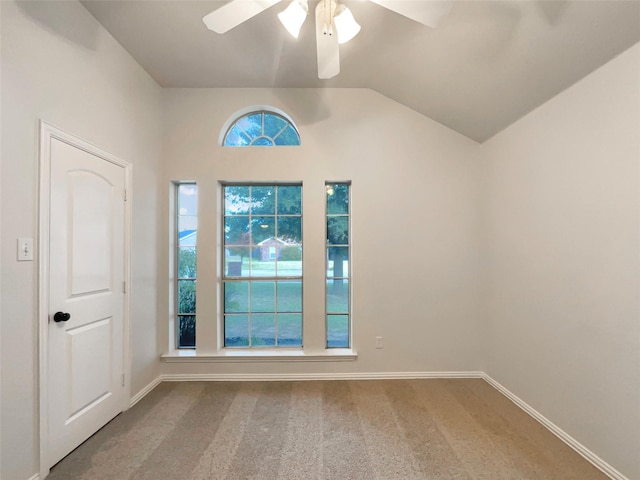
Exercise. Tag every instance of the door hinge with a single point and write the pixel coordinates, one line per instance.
(125, 194)
(124, 287)
(123, 379)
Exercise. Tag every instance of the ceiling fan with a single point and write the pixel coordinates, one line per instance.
(335, 23)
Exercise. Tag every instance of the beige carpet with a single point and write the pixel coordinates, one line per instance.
(391, 429)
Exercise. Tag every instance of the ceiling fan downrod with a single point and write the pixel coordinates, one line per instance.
(328, 7)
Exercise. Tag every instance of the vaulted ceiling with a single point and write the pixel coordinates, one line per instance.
(486, 65)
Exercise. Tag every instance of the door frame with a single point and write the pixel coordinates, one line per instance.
(47, 133)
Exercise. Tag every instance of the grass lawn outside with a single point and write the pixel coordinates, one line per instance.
(269, 313)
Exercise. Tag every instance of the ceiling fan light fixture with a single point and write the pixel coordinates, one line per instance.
(294, 16)
(346, 25)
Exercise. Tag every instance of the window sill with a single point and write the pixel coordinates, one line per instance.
(233, 355)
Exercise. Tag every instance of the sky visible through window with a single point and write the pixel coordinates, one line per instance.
(266, 129)
(187, 224)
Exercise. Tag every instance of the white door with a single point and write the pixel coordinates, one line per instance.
(85, 366)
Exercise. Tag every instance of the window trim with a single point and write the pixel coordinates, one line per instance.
(234, 355)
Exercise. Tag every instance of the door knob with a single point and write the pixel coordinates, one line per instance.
(61, 317)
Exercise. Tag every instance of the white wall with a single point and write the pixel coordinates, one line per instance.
(58, 64)
(562, 237)
(414, 219)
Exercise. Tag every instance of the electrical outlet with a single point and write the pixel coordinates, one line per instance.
(378, 342)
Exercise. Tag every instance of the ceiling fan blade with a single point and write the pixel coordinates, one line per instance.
(234, 13)
(426, 12)
(327, 46)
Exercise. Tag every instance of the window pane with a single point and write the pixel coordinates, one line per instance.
(236, 261)
(338, 296)
(262, 242)
(263, 296)
(273, 124)
(187, 262)
(262, 142)
(338, 331)
(187, 227)
(184, 302)
(251, 124)
(288, 137)
(290, 330)
(289, 296)
(237, 200)
(337, 199)
(187, 199)
(236, 330)
(263, 330)
(187, 238)
(263, 268)
(338, 272)
(290, 200)
(338, 230)
(236, 297)
(236, 231)
(338, 262)
(186, 331)
(263, 229)
(290, 229)
(186, 296)
(290, 263)
(236, 138)
(261, 128)
(263, 200)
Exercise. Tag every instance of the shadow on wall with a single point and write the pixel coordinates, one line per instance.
(54, 17)
(306, 106)
(553, 11)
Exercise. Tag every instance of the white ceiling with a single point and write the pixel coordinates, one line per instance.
(487, 64)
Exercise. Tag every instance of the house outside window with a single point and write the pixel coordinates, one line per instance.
(262, 277)
(185, 263)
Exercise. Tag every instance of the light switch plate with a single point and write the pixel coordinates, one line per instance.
(25, 249)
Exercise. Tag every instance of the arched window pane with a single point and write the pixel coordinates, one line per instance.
(237, 137)
(288, 137)
(251, 124)
(261, 129)
(263, 141)
(273, 125)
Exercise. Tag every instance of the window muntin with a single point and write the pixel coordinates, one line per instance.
(262, 276)
(338, 272)
(262, 128)
(185, 263)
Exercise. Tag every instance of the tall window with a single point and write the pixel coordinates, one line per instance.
(261, 129)
(185, 258)
(338, 266)
(262, 278)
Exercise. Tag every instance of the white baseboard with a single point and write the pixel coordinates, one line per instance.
(557, 431)
(35, 477)
(224, 377)
(552, 427)
(145, 391)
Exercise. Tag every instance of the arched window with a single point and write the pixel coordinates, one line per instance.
(262, 128)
